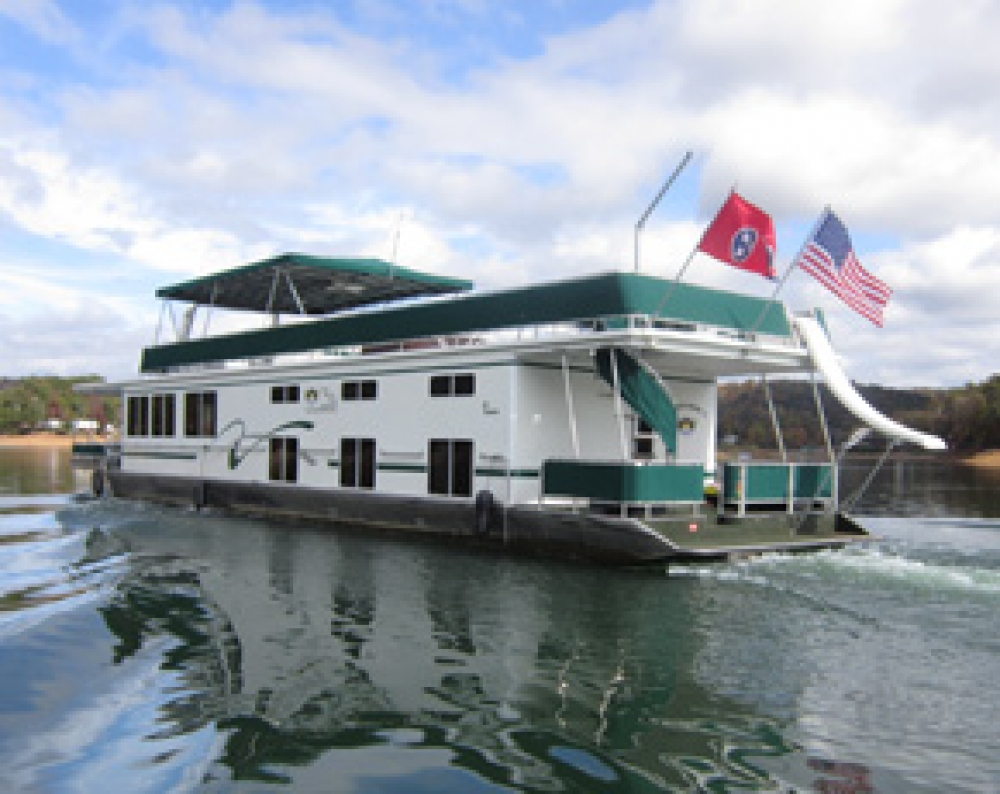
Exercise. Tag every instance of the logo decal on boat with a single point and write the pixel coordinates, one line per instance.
(320, 400)
(238, 452)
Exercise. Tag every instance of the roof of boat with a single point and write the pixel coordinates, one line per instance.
(294, 283)
(606, 295)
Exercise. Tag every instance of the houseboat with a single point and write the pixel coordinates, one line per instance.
(576, 418)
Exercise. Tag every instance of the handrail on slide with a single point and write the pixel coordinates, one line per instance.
(825, 359)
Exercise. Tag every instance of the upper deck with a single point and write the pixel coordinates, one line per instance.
(704, 331)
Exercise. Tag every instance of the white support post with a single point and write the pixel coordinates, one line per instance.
(822, 419)
(774, 419)
(159, 323)
(294, 292)
(271, 295)
(619, 412)
(570, 410)
(211, 305)
(173, 320)
(741, 505)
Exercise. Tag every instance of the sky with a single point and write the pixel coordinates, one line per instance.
(144, 143)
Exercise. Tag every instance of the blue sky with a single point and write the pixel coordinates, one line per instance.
(144, 143)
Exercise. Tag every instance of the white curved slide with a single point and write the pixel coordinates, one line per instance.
(826, 362)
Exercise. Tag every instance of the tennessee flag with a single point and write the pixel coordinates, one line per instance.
(741, 235)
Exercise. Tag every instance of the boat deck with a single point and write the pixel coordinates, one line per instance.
(719, 535)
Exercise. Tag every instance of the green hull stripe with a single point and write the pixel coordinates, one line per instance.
(160, 455)
(523, 474)
(413, 468)
(417, 468)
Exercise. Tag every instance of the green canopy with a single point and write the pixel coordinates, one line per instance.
(641, 391)
(301, 284)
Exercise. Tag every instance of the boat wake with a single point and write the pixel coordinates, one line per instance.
(862, 565)
(45, 567)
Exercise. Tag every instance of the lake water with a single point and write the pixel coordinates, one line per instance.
(147, 649)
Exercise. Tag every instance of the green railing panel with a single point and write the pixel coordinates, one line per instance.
(624, 482)
(813, 481)
(769, 482)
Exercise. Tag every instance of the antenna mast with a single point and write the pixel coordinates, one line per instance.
(649, 210)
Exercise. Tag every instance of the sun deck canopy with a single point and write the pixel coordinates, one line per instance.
(301, 284)
(601, 301)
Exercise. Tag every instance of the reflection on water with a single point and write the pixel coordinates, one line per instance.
(37, 470)
(185, 650)
(296, 645)
(917, 488)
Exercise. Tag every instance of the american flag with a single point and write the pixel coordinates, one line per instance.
(829, 256)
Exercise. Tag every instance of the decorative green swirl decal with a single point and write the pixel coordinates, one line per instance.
(238, 453)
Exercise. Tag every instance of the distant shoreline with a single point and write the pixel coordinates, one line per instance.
(47, 440)
(987, 459)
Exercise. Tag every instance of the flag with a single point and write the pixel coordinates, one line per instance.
(741, 235)
(829, 256)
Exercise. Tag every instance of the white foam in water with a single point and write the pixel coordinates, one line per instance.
(867, 562)
(720, 573)
(876, 561)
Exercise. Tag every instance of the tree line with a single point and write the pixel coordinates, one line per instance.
(27, 403)
(967, 417)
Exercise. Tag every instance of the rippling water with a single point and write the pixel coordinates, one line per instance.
(147, 649)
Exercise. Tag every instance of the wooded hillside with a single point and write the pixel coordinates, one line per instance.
(967, 417)
(27, 402)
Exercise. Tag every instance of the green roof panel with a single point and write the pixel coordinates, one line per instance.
(301, 284)
(602, 296)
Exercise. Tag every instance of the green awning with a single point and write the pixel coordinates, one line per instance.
(301, 284)
(641, 391)
(582, 300)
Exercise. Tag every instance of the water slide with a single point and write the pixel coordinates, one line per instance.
(825, 359)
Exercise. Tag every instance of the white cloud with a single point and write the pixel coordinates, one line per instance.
(48, 195)
(253, 130)
(42, 17)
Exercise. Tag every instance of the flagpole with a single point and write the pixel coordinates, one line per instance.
(788, 272)
(673, 284)
(666, 186)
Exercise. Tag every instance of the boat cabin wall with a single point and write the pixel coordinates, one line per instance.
(445, 428)
(392, 431)
(696, 403)
(546, 414)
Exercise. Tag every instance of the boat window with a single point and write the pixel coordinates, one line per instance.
(359, 390)
(285, 394)
(200, 415)
(164, 410)
(642, 448)
(440, 385)
(462, 385)
(283, 463)
(137, 422)
(450, 471)
(357, 463)
(642, 440)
